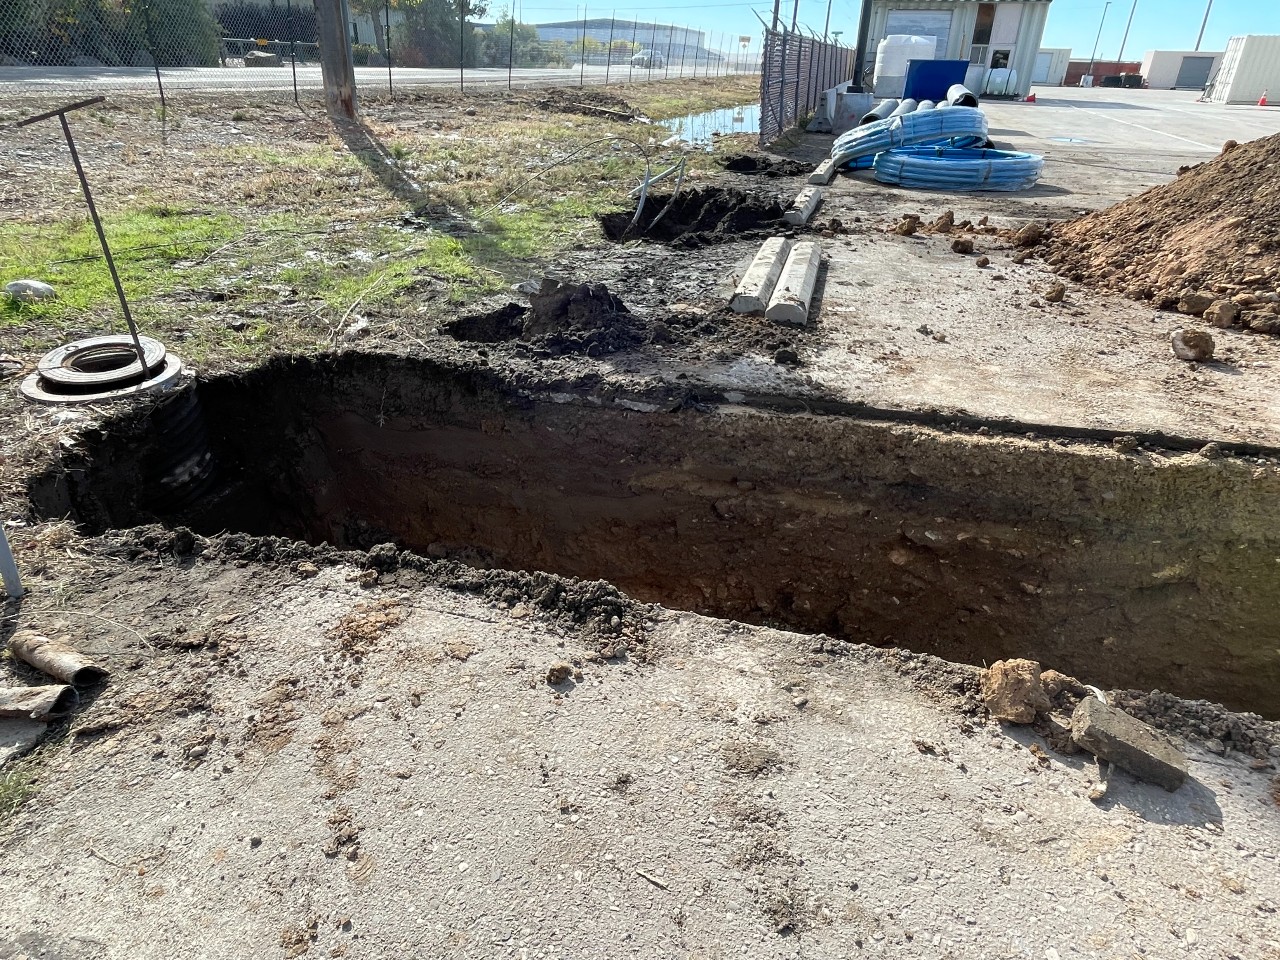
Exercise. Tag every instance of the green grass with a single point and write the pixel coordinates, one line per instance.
(665, 101)
(17, 786)
(145, 243)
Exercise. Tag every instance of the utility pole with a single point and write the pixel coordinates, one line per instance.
(1094, 55)
(1125, 38)
(1204, 23)
(333, 30)
(826, 27)
(860, 51)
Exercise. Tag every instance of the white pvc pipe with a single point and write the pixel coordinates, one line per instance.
(9, 569)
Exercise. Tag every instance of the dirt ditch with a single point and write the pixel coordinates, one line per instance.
(1128, 570)
(697, 217)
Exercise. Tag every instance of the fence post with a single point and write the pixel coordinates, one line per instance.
(608, 55)
(511, 49)
(462, 44)
(800, 58)
(386, 39)
(631, 67)
(293, 48)
(666, 64)
(333, 30)
(582, 67)
(782, 85)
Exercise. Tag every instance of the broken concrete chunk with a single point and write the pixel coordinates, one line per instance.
(824, 174)
(802, 207)
(1012, 691)
(36, 703)
(790, 301)
(753, 293)
(1130, 744)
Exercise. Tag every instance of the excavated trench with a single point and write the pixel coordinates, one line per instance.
(1144, 570)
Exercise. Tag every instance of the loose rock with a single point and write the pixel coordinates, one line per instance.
(1029, 236)
(559, 673)
(1192, 345)
(983, 262)
(1012, 691)
(962, 245)
(1222, 313)
(1056, 293)
(30, 291)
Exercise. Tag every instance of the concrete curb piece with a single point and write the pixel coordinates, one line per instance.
(752, 295)
(790, 301)
(1111, 734)
(825, 173)
(802, 207)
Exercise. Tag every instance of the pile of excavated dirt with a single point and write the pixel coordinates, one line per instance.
(1207, 244)
(698, 217)
(754, 164)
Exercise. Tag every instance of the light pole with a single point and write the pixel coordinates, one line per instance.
(1094, 55)
(1204, 23)
(1125, 38)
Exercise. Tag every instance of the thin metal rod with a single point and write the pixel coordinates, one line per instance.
(79, 105)
(631, 67)
(462, 43)
(1203, 23)
(102, 238)
(9, 569)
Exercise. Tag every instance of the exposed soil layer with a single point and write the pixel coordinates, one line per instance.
(697, 217)
(1213, 234)
(1125, 571)
(760, 165)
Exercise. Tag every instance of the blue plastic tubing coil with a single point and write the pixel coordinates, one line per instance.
(957, 127)
(946, 168)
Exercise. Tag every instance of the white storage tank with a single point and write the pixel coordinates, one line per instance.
(892, 56)
(1250, 68)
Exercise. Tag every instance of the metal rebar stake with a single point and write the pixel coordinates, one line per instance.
(61, 114)
(9, 569)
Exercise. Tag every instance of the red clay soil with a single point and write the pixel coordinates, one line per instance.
(1201, 243)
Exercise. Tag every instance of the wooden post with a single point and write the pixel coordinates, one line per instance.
(336, 67)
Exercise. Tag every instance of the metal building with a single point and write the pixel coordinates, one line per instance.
(1051, 66)
(990, 34)
(1250, 68)
(1179, 69)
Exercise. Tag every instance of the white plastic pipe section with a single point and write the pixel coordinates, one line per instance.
(9, 568)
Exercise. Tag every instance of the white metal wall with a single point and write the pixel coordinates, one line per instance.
(1250, 67)
(964, 16)
(1160, 67)
(1058, 58)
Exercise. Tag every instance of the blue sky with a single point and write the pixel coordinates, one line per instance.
(1157, 24)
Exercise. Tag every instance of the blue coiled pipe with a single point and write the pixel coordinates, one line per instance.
(946, 168)
(957, 127)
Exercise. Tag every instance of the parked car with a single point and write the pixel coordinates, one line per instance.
(648, 60)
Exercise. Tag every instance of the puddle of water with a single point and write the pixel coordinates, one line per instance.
(698, 128)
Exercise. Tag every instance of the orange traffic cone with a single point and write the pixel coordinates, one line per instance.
(1262, 100)
(1031, 98)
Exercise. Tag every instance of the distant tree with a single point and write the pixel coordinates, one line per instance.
(433, 34)
(507, 40)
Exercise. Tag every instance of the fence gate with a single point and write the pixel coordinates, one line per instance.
(794, 70)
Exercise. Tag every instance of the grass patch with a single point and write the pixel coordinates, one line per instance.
(17, 786)
(663, 101)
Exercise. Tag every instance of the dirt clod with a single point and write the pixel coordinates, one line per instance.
(1029, 236)
(765, 166)
(559, 673)
(1056, 293)
(982, 262)
(1012, 691)
(1192, 345)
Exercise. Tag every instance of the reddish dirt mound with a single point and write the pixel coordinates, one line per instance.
(1207, 242)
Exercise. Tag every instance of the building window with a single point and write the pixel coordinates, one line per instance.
(1000, 59)
(986, 20)
(978, 54)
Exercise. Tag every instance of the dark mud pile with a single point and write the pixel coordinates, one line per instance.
(754, 164)
(1210, 237)
(698, 217)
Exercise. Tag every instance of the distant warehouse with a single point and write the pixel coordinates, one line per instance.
(1179, 69)
(1250, 68)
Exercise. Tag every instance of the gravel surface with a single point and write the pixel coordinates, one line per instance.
(370, 771)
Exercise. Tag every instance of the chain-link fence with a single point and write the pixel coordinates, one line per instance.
(794, 70)
(68, 48)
